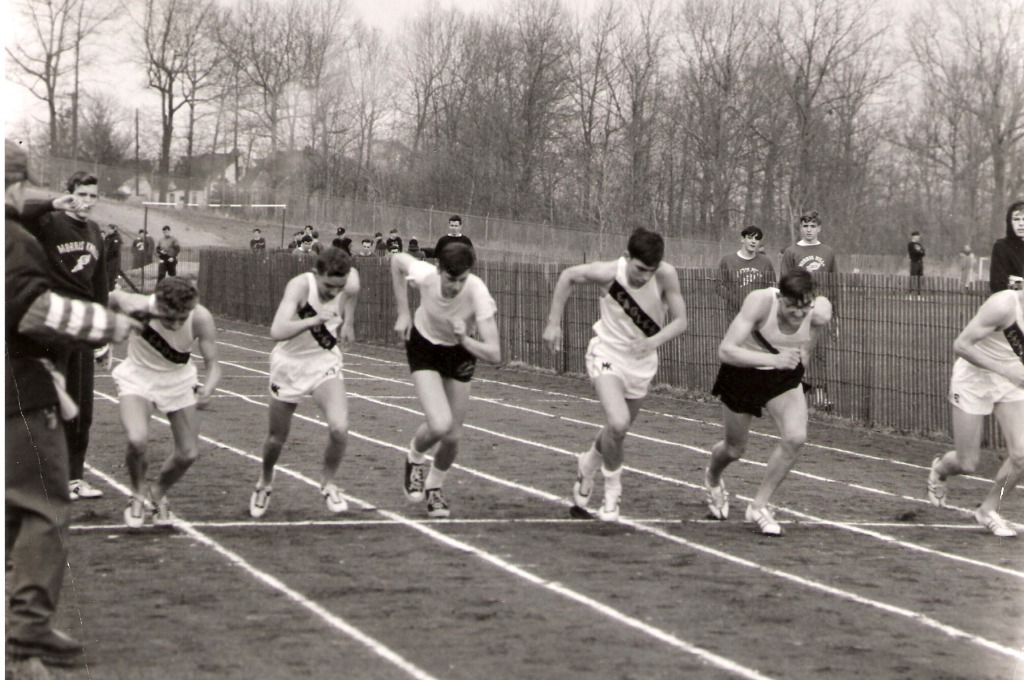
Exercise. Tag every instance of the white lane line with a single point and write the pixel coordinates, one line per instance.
(298, 524)
(332, 620)
(614, 614)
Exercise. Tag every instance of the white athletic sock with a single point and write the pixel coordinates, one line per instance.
(590, 462)
(414, 455)
(612, 484)
(435, 478)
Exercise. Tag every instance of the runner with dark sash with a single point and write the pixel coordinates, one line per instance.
(638, 292)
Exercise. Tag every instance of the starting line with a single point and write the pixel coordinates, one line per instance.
(497, 521)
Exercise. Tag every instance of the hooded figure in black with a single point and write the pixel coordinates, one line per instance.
(1008, 252)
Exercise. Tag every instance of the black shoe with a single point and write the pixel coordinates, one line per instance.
(413, 481)
(53, 647)
(437, 506)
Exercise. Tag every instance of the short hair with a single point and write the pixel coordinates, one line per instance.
(797, 284)
(377, 235)
(333, 262)
(341, 231)
(367, 241)
(166, 227)
(646, 246)
(306, 239)
(79, 178)
(413, 242)
(257, 230)
(456, 258)
(176, 294)
(752, 231)
(811, 218)
(15, 164)
(915, 233)
(455, 218)
(394, 231)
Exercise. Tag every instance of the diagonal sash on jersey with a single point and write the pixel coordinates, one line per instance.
(634, 311)
(160, 344)
(320, 333)
(763, 341)
(1015, 336)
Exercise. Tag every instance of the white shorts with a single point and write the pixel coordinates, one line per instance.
(292, 379)
(636, 373)
(977, 390)
(169, 391)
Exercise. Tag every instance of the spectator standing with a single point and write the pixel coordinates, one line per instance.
(745, 270)
(73, 245)
(415, 250)
(380, 248)
(167, 250)
(367, 248)
(38, 324)
(811, 254)
(915, 250)
(343, 243)
(296, 240)
(393, 242)
(1008, 252)
(967, 262)
(305, 246)
(257, 243)
(454, 235)
(142, 250)
(112, 251)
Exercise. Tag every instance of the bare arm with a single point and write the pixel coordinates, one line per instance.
(348, 326)
(400, 264)
(821, 317)
(206, 332)
(602, 273)
(287, 323)
(996, 314)
(754, 312)
(488, 347)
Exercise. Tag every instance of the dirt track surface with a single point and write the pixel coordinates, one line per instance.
(868, 582)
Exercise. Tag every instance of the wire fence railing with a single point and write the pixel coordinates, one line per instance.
(885, 363)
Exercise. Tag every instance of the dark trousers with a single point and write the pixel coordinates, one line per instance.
(38, 511)
(166, 268)
(80, 375)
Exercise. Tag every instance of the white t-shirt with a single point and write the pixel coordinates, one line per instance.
(433, 317)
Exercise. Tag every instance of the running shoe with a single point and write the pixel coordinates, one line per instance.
(717, 498)
(581, 490)
(135, 513)
(162, 516)
(80, 488)
(413, 481)
(936, 486)
(260, 501)
(994, 523)
(336, 503)
(765, 521)
(609, 510)
(437, 506)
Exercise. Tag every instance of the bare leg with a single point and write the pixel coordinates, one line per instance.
(330, 397)
(1011, 419)
(185, 428)
(789, 410)
(280, 423)
(732, 448)
(135, 413)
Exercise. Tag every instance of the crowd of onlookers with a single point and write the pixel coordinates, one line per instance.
(309, 241)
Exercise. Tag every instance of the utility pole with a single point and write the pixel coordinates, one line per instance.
(136, 151)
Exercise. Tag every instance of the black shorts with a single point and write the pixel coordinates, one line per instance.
(449, 361)
(747, 390)
(917, 267)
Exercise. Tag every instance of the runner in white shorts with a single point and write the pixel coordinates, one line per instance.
(988, 377)
(314, 321)
(636, 292)
(158, 374)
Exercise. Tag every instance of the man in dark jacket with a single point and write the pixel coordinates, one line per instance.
(112, 251)
(1008, 252)
(73, 245)
(38, 326)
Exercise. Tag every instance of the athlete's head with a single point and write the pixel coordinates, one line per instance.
(1015, 220)
(176, 297)
(797, 286)
(646, 246)
(456, 258)
(333, 262)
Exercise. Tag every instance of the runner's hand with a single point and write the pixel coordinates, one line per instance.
(404, 326)
(787, 359)
(553, 337)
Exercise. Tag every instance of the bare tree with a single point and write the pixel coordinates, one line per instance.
(50, 50)
(106, 132)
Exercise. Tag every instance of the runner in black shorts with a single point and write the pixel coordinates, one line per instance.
(453, 327)
(763, 356)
